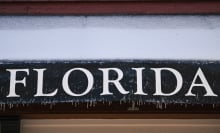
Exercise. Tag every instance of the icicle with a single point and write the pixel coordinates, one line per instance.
(94, 103)
(90, 105)
(51, 106)
(3, 107)
(185, 105)
(109, 103)
(87, 105)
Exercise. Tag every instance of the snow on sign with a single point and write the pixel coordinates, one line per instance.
(109, 86)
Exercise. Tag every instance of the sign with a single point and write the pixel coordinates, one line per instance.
(109, 86)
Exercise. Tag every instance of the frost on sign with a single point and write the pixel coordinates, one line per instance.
(109, 85)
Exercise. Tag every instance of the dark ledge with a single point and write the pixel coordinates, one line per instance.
(102, 7)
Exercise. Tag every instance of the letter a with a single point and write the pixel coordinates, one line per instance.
(204, 84)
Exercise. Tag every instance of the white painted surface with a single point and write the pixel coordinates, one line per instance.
(110, 37)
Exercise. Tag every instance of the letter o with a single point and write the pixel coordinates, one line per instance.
(66, 85)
